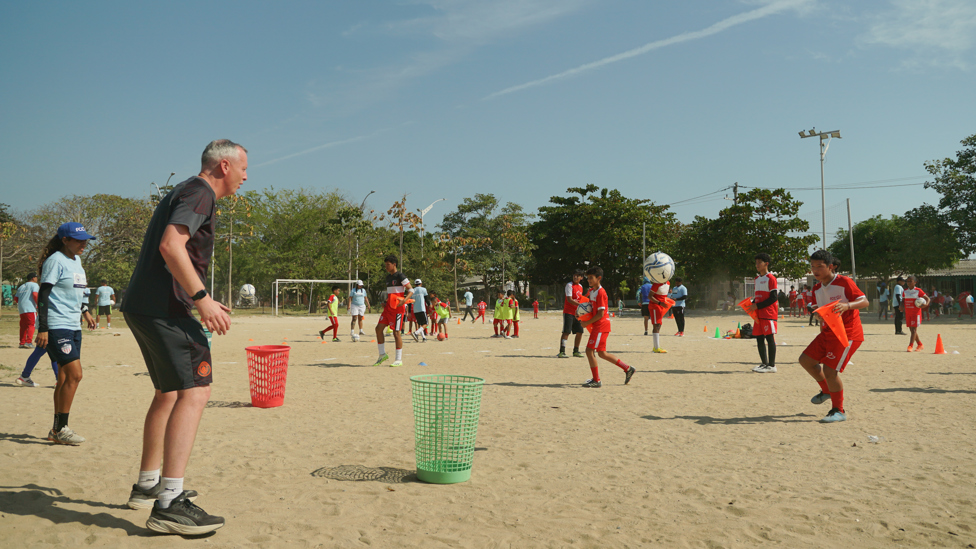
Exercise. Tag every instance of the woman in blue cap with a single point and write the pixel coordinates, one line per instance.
(59, 302)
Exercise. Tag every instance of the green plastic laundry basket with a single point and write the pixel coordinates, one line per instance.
(445, 412)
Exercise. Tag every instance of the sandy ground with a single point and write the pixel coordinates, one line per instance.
(697, 451)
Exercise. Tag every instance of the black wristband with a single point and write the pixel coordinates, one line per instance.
(199, 295)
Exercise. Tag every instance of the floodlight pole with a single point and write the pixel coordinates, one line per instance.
(423, 212)
(361, 206)
(823, 154)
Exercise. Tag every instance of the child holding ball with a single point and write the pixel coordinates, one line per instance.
(913, 313)
(599, 326)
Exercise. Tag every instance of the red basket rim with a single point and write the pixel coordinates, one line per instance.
(267, 349)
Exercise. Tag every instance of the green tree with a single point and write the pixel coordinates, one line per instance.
(601, 227)
(762, 220)
(494, 244)
(956, 181)
(877, 246)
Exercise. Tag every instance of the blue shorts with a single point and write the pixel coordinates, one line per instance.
(64, 346)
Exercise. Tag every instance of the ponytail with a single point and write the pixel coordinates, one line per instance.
(53, 245)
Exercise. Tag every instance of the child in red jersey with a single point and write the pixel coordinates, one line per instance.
(571, 324)
(599, 326)
(398, 292)
(794, 307)
(535, 308)
(826, 349)
(482, 307)
(657, 309)
(766, 307)
(913, 313)
(332, 309)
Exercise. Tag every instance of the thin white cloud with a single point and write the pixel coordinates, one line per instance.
(771, 8)
(936, 32)
(328, 145)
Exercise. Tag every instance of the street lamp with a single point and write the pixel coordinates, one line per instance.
(423, 212)
(361, 206)
(824, 144)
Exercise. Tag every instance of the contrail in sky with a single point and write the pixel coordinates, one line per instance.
(770, 9)
(320, 147)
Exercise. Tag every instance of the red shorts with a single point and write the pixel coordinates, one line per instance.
(764, 327)
(392, 318)
(913, 318)
(656, 313)
(830, 352)
(598, 341)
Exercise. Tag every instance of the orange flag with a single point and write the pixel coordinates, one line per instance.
(834, 321)
(745, 303)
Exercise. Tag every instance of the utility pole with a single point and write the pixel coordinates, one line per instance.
(735, 193)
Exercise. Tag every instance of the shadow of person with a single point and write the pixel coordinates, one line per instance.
(22, 439)
(49, 503)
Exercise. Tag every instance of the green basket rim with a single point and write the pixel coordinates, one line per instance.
(424, 379)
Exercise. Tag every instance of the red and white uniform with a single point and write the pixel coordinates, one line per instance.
(655, 309)
(826, 348)
(809, 299)
(913, 315)
(766, 317)
(574, 292)
(396, 287)
(482, 307)
(599, 329)
(792, 297)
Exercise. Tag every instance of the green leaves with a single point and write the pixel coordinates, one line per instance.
(956, 181)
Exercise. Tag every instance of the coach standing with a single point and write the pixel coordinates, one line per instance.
(165, 287)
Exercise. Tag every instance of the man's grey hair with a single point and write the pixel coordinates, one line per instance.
(217, 150)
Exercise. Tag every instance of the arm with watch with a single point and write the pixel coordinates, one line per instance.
(213, 314)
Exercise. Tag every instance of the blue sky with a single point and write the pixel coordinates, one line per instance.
(523, 99)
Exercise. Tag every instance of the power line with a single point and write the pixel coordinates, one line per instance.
(697, 197)
(860, 185)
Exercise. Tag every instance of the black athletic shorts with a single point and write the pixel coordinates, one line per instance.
(645, 312)
(64, 346)
(104, 310)
(571, 324)
(175, 351)
(421, 318)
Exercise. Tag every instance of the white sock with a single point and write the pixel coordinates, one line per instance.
(657, 341)
(382, 347)
(399, 354)
(108, 325)
(148, 479)
(172, 488)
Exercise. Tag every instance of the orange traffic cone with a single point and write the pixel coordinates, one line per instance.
(939, 349)
(706, 329)
(738, 335)
(459, 321)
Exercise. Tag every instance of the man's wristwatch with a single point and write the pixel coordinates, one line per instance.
(199, 295)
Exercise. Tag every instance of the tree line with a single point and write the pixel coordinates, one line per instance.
(314, 234)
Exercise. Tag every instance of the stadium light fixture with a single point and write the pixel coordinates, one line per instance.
(825, 138)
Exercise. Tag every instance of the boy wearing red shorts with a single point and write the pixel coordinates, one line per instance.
(599, 326)
(913, 313)
(825, 358)
(398, 292)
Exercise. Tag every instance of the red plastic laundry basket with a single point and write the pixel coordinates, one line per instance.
(267, 368)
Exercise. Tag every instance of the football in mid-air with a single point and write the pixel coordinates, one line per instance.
(920, 302)
(659, 267)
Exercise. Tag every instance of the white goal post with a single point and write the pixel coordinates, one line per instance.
(275, 287)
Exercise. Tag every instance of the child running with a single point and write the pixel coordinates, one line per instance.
(332, 310)
(913, 313)
(599, 326)
(443, 314)
(825, 358)
(482, 307)
(398, 292)
(767, 313)
(419, 308)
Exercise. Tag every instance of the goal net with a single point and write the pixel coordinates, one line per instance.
(284, 284)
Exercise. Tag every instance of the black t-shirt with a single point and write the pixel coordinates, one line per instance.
(152, 289)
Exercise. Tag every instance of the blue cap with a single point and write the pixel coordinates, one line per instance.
(74, 230)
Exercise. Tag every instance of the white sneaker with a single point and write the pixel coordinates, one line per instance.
(759, 368)
(362, 333)
(26, 382)
(765, 369)
(67, 436)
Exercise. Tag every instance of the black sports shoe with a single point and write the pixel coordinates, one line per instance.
(322, 335)
(630, 374)
(593, 384)
(144, 499)
(182, 518)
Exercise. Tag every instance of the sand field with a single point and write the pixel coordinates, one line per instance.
(697, 451)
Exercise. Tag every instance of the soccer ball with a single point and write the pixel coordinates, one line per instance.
(112, 302)
(355, 337)
(920, 302)
(659, 267)
(585, 311)
(441, 337)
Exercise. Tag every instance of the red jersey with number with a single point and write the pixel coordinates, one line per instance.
(482, 306)
(792, 296)
(765, 287)
(601, 310)
(910, 296)
(844, 290)
(575, 292)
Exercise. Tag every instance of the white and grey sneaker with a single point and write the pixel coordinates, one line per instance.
(183, 518)
(766, 369)
(68, 437)
(26, 382)
(759, 368)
